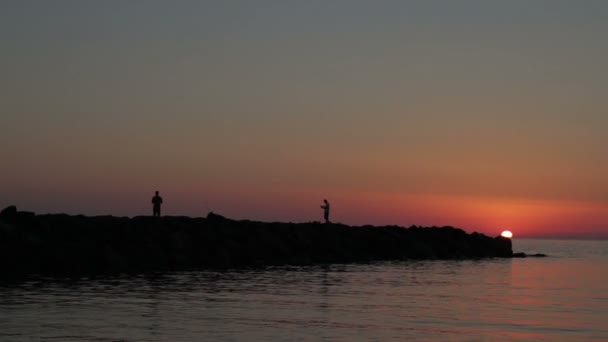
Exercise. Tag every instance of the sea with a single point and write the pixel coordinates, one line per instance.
(562, 297)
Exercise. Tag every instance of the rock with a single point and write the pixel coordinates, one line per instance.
(524, 255)
(215, 217)
(78, 244)
(504, 246)
(9, 213)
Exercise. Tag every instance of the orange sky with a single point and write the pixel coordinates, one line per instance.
(481, 115)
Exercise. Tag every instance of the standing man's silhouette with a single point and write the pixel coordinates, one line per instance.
(325, 211)
(156, 202)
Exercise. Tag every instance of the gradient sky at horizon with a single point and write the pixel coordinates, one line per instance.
(486, 115)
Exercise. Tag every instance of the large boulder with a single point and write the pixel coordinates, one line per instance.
(9, 213)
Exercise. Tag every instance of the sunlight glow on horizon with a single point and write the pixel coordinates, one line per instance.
(478, 115)
(507, 234)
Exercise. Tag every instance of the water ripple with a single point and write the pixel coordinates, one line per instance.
(562, 298)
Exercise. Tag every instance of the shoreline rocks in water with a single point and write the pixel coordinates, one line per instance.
(64, 244)
(524, 255)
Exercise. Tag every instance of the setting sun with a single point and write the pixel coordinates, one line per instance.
(507, 234)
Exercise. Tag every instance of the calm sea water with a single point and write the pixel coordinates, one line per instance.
(560, 298)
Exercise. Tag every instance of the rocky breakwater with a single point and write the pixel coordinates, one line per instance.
(63, 244)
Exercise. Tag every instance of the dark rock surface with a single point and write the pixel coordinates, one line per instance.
(9, 213)
(524, 255)
(59, 243)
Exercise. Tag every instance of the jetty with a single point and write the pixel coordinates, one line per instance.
(77, 244)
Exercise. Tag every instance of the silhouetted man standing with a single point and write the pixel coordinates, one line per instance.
(156, 202)
(325, 211)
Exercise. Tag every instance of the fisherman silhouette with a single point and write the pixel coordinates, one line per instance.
(325, 211)
(156, 202)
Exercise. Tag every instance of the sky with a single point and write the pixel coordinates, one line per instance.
(484, 115)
